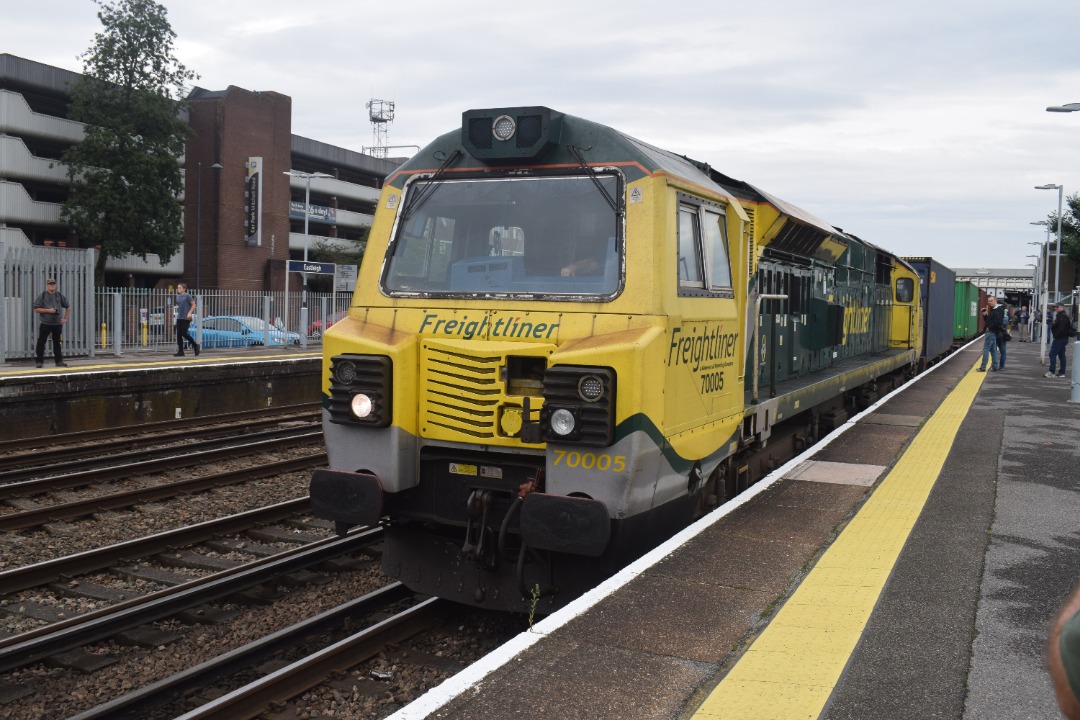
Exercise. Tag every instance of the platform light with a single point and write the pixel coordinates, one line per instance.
(307, 214)
(1057, 252)
(1067, 107)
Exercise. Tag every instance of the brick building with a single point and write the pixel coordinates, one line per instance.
(228, 242)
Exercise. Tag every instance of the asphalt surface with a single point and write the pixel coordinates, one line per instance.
(958, 632)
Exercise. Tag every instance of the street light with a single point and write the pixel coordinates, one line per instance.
(198, 222)
(1057, 251)
(307, 215)
(1067, 107)
(1044, 281)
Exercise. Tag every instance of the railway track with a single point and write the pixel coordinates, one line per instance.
(109, 439)
(325, 659)
(36, 645)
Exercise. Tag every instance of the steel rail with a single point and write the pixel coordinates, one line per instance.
(144, 701)
(81, 508)
(280, 439)
(69, 566)
(131, 443)
(278, 687)
(50, 441)
(28, 648)
(234, 439)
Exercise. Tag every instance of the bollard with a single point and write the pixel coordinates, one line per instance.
(1075, 380)
(104, 335)
(145, 334)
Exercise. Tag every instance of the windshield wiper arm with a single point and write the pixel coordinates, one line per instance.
(596, 180)
(425, 194)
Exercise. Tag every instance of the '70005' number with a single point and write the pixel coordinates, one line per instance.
(712, 382)
(590, 461)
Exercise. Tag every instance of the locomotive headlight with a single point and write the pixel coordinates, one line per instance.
(345, 372)
(590, 388)
(503, 128)
(563, 422)
(361, 405)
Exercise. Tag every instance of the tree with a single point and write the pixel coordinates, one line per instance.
(1070, 234)
(125, 175)
(335, 253)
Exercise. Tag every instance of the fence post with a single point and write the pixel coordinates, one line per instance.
(266, 318)
(118, 324)
(198, 318)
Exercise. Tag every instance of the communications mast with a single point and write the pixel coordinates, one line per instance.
(381, 114)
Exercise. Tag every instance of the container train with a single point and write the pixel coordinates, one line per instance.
(567, 344)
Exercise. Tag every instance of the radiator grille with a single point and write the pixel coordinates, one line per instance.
(463, 389)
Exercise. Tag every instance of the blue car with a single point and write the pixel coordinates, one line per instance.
(241, 331)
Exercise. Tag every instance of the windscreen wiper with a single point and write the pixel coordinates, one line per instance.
(616, 206)
(425, 194)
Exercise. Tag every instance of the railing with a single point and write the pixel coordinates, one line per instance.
(136, 320)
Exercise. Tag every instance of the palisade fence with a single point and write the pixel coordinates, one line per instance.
(131, 320)
(23, 272)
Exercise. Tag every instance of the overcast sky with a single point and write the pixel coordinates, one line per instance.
(919, 126)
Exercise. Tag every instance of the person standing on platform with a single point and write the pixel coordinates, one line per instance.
(994, 315)
(185, 308)
(1063, 656)
(1024, 337)
(1004, 336)
(1061, 330)
(53, 310)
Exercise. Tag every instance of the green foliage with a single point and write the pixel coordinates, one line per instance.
(321, 251)
(125, 175)
(1070, 227)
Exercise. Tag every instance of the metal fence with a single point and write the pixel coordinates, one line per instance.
(132, 320)
(144, 320)
(23, 272)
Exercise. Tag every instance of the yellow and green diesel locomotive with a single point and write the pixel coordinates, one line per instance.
(566, 344)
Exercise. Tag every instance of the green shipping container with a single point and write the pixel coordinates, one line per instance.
(966, 311)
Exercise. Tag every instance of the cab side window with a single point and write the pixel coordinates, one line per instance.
(704, 265)
(715, 227)
(690, 269)
(905, 290)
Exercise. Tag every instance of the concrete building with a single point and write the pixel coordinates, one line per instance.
(243, 215)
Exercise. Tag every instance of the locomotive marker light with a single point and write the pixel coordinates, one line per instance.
(590, 388)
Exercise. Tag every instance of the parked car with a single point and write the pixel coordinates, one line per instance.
(315, 330)
(241, 331)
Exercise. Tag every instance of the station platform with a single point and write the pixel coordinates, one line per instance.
(109, 390)
(909, 566)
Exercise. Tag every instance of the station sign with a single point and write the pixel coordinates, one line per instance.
(303, 266)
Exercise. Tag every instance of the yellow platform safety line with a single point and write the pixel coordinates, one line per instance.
(790, 670)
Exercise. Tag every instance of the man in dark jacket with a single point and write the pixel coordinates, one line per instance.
(995, 323)
(53, 309)
(1061, 330)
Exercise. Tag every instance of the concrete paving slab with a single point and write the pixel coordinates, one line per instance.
(839, 473)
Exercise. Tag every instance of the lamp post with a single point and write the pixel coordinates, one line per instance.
(1057, 251)
(198, 222)
(1067, 107)
(307, 215)
(1044, 282)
